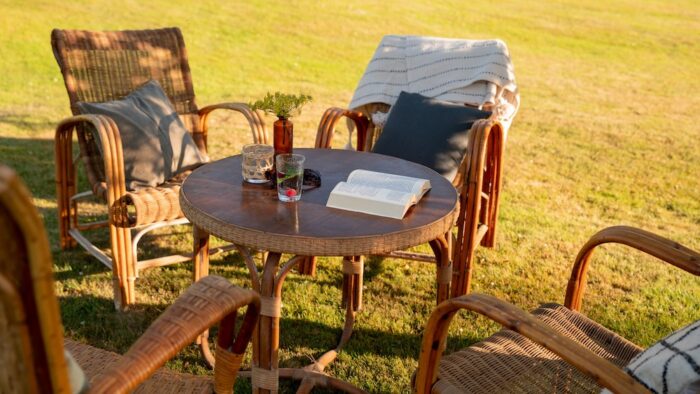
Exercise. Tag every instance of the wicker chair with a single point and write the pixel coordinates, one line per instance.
(31, 334)
(103, 66)
(478, 182)
(554, 349)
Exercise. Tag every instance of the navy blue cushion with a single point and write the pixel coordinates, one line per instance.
(427, 131)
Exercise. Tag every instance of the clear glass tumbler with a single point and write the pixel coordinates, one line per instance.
(290, 176)
(257, 163)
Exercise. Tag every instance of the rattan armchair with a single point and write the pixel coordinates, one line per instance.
(554, 349)
(478, 182)
(31, 334)
(103, 66)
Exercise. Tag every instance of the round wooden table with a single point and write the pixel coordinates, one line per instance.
(217, 202)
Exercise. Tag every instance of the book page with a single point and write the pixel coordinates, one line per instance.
(366, 191)
(371, 200)
(399, 183)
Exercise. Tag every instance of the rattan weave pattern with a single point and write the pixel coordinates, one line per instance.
(151, 205)
(142, 55)
(30, 311)
(95, 361)
(226, 361)
(13, 367)
(509, 363)
(105, 66)
(315, 246)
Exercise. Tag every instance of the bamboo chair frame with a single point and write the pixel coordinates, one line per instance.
(28, 299)
(478, 182)
(102, 66)
(512, 318)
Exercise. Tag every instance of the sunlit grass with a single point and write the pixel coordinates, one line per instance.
(607, 134)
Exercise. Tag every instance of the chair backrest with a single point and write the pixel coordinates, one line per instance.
(105, 66)
(475, 73)
(31, 334)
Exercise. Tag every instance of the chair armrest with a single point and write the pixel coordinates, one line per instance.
(257, 125)
(478, 181)
(513, 318)
(112, 155)
(330, 118)
(657, 246)
(206, 302)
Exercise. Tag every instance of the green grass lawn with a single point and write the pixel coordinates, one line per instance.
(607, 134)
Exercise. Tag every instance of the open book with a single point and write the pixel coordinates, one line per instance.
(377, 193)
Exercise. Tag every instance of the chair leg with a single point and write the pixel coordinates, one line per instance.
(307, 266)
(492, 183)
(65, 188)
(122, 267)
(461, 285)
(200, 259)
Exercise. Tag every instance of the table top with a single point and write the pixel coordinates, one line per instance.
(215, 199)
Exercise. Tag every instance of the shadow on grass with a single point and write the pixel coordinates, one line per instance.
(26, 122)
(33, 159)
(93, 320)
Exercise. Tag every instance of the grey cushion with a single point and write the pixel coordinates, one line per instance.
(427, 131)
(155, 142)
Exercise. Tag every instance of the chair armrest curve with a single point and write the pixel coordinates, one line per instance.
(112, 155)
(330, 118)
(206, 302)
(513, 318)
(257, 125)
(645, 241)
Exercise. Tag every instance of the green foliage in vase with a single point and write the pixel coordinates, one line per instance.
(281, 105)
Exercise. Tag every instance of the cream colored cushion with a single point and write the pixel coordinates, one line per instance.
(76, 376)
(671, 365)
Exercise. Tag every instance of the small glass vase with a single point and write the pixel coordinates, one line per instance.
(283, 136)
(282, 141)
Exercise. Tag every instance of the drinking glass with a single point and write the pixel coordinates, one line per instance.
(290, 176)
(257, 163)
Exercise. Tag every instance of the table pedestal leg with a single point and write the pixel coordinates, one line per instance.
(265, 370)
(353, 267)
(266, 339)
(441, 247)
(200, 259)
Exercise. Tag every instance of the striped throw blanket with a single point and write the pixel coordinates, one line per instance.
(477, 73)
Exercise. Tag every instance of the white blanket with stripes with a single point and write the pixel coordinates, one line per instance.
(475, 72)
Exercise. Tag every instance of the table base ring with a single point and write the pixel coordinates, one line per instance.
(267, 379)
(313, 379)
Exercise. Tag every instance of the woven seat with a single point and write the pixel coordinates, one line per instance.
(553, 349)
(507, 362)
(31, 335)
(105, 66)
(95, 361)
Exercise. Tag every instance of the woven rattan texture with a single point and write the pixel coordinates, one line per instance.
(95, 361)
(226, 361)
(310, 246)
(509, 363)
(151, 205)
(105, 66)
(13, 373)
